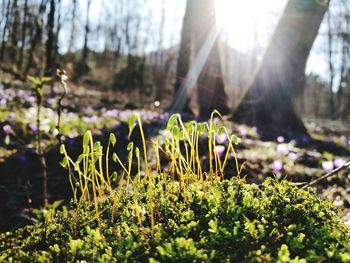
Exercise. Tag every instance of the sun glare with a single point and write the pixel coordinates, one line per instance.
(248, 22)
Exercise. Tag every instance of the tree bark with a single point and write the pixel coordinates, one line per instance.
(181, 100)
(72, 32)
(268, 103)
(330, 65)
(50, 39)
(5, 29)
(211, 93)
(23, 36)
(87, 31)
(199, 61)
(36, 38)
(14, 31)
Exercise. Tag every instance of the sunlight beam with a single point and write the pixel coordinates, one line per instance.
(195, 69)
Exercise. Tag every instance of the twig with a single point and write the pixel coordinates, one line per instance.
(326, 175)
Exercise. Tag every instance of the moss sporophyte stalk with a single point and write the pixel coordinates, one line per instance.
(168, 202)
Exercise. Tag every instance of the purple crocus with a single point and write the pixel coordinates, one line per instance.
(277, 166)
(7, 129)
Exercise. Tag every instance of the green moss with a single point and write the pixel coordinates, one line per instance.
(219, 221)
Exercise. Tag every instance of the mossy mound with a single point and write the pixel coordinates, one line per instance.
(218, 221)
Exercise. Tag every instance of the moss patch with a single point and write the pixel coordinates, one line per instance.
(214, 221)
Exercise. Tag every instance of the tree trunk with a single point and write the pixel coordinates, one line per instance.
(5, 29)
(330, 65)
(181, 100)
(199, 62)
(57, 33)
(23, 37)
(36, 38)
(72, 32)
(14, 32)
(50, 39)
(86, 35)
(211, 93)
(268, 103)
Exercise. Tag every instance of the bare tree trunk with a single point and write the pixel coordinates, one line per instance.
(14, 31)
(57, 33)
(199, 61)
(159, 71)
(330, 64)
(23, 36)
(81, 67)
(181, 100)
(345, 58)
(268, 103)
(50, 38)
(5, 29)
(36, 38)
(72, 32)
(211, 93)
(87, 31)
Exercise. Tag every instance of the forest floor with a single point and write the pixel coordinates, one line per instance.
(300, 159)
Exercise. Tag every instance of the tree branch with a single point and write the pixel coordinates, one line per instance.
(326, 175)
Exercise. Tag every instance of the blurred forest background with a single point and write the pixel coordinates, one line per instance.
(130, 50)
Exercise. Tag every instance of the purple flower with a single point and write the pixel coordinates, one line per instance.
(327, 166)
(89, 109)
(221, 139)
(51, 101)
(280, 139)
(70, 142)
(220, 149)
(164, 115)
(293, 156)
(2, 102)
(347, 141)
(277, 166)
(111, 113)
(22, 159)
(338, 162)
(125, 115)
(282, 148)
(7, 129)
(118, 125)
(33, 128)
(11, 116)
(242, 131)
(305, 139)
